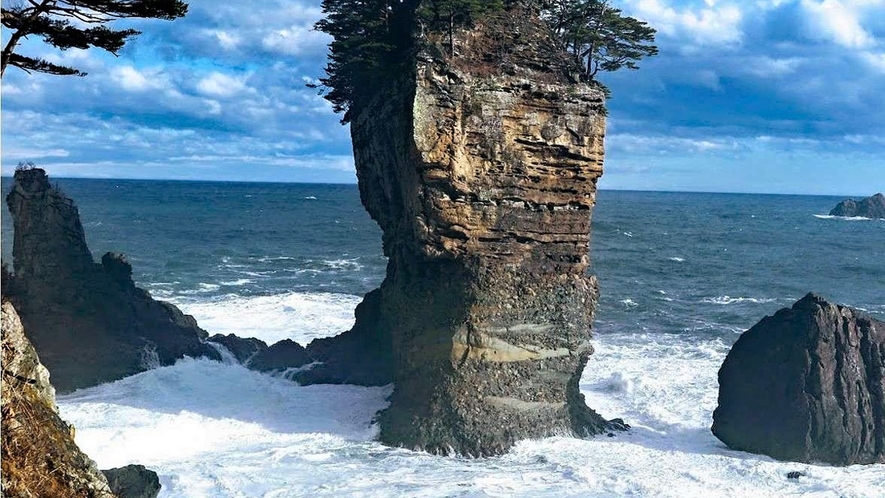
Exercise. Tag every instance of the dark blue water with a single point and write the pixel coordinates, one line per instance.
(666, 262)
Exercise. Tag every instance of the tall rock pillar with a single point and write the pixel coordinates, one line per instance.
(481, 171)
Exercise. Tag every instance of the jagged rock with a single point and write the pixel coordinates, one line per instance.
(280, 356)
(481, 171)
(89, 321)
(871, 207)
(360, 356)
(806, 385)
(39, 456)
(133, 481)
(242, 349)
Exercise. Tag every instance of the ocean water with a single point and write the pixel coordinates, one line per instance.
(681, 275)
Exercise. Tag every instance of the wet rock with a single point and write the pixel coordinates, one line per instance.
(871, 207)
(133, 481)
(89, 321)
(806, 385)
(280, 356)
(242, 349)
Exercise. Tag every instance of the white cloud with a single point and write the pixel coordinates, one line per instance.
(838, 21)
(130, 78)
(295, 40)
(220, 85)
(715, 24)
(26, 154)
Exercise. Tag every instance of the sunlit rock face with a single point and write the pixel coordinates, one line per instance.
(481, 171)
(39, 455)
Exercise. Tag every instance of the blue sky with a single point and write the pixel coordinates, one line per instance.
(773, 96)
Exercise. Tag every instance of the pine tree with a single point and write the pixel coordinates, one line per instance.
(80, 24)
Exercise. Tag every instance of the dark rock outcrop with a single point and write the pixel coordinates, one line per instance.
(806, 385)
(360, 356)
(242, 349)
(481, 172)
(280, 356)
(89, 321)
(39, 456)
(133, 481)
(871, 207)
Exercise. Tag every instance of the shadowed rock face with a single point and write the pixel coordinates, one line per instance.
(871, 207)
(482, 175)
(133, 481)
(89, 321)
(806, 385)
(39, 457)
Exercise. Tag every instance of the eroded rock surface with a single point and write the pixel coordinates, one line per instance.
(133, 481)
(871, 207)
(39, 456)
(806, 385)
(89, 321)
(481, 171)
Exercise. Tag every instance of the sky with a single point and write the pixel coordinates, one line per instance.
(769, 96)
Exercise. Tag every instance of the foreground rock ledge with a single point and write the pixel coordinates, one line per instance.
(806, 385)
(89, 321)
(39, 455)
(483, 182)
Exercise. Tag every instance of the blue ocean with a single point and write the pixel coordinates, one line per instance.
(681, 276)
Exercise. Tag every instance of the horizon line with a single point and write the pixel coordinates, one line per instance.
(290, 182)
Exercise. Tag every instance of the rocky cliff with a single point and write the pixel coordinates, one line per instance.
(39, 456)
(807, 385)
(481, 170)
(871, 207)
(89, 321)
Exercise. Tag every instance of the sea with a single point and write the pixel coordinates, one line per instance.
(681, 276)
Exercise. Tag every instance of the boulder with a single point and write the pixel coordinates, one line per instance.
(89, 321)
(871, 207)
(242, 349)
(280, 356)
(133, 481)
(806, 385)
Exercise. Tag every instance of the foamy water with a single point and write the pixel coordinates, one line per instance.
(218, 430)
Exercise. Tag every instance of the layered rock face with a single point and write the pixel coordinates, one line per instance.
(806, 385)
(481, 171)
(39, 456)
(89, 321)
(871, 207)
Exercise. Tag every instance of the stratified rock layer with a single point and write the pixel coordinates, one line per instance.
(806, 385)
(89, 321)
(871, 207)
(39, 456)
(481, 171)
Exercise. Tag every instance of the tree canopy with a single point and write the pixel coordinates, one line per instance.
(373, 38)
(80, 24)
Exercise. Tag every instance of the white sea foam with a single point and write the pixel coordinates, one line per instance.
(629, 303)
(237, 283)
(846, 218)
(301, 317)
(214, 430)
(677, 259)
(733, 300)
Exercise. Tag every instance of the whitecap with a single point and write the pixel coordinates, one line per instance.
(846, 218)
(299, 316)
(677, 259)
(732, 300)
(310, 198)
(629, 303)
(236, 283)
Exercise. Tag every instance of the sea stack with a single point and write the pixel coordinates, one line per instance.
(89, 321)
(872, 207)
(806, 385)
(481, 171)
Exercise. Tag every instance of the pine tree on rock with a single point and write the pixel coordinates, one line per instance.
(79, 24)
